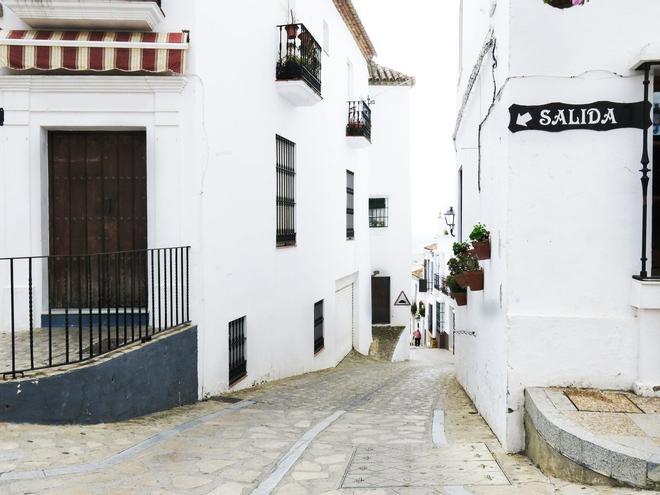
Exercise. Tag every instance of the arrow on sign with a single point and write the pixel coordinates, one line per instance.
(523, 119)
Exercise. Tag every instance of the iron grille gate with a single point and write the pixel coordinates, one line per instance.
(350, 205)
(237, 361)
(319, 341)
(286, 197)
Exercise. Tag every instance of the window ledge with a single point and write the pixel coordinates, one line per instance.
(645, 293)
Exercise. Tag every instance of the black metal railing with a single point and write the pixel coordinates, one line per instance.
(423, 285)
(299, 56)
(237, 347)
(359, 120)
(65, 309)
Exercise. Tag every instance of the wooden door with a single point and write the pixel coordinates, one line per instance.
(97, 204)
(380, 300)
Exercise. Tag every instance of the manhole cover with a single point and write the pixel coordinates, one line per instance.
(597, 401)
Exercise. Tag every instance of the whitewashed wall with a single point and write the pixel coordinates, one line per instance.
(564, 209)
(389, 171)
(211, 166)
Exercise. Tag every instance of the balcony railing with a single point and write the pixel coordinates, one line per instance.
(61, 310)
(359, 120)
(299, 56)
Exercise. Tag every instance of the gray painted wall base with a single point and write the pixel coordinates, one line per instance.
(152, 377)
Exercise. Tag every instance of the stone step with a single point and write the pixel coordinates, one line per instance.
(593, 438)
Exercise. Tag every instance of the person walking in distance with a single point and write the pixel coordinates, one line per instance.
(417, 335)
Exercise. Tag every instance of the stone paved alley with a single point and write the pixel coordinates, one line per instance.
(366, 427)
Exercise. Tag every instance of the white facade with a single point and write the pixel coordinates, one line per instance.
(560, 306)
(440, 308)
(389, 171)
(212, 180)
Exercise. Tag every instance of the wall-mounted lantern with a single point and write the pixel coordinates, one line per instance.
(450, 220)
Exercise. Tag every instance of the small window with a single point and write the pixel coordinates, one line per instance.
(286, 192)
(326, 38)
(440, 317)
(350, 205)
(377, 213)
(319, 341)
(237, 359)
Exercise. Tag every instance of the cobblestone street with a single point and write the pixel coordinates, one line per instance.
(366, 427)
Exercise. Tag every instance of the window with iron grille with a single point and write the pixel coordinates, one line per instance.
(319, 342)
(440, 316)
(431, 318)
(237, 348)
(350, 204)
(378, 214)
(286, 192)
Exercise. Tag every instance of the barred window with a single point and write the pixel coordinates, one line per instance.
(377, 213)
(440, 316)
(286, 192)
(319, 341)
(350, 204)
(237, 351)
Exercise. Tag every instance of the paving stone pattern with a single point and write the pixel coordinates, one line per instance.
(385, 437)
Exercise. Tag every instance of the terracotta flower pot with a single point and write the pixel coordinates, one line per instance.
(292, 31)
(475, 280)
(481, 249)
(460, 298)
(461, 280)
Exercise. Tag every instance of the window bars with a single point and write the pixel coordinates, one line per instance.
(440, 316)
(237, 348)
(319, 341)
(65, 309)
(286, 192)
(350, 205)
(378, 213)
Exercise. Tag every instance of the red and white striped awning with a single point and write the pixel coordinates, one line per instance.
(94, 51)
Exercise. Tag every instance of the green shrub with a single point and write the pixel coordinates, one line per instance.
(479, 233)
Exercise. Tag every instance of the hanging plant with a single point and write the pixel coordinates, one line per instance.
(564, 4)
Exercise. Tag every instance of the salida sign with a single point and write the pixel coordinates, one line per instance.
(599, 116)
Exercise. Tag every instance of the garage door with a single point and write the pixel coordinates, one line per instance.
(344, 316)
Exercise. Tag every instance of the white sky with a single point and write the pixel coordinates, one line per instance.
(420, 38)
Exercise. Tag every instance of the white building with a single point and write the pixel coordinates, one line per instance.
(236, 134)
(389, 196)
(560, 305)
(438, 324)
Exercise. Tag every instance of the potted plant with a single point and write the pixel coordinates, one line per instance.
(480, 237)
(457, 264)
(458, 293)
(473, 275)
(422, 310)
(413, 309)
